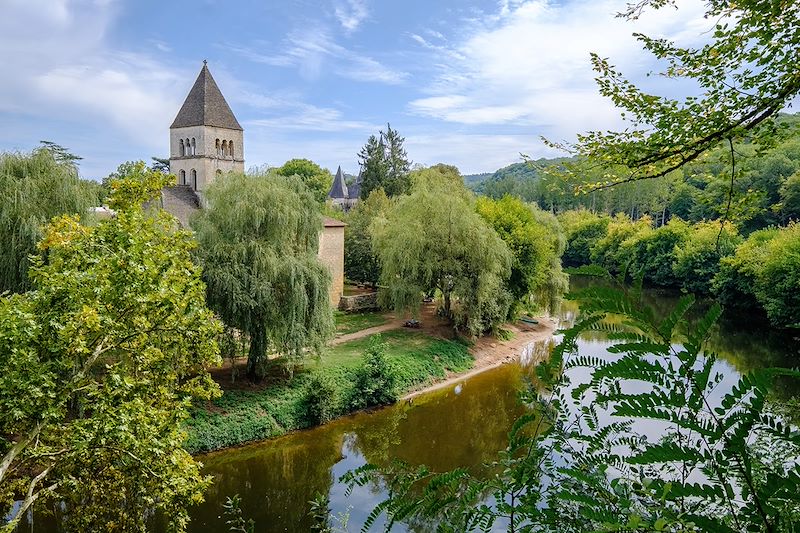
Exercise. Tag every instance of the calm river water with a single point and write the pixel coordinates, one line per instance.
(460, 426)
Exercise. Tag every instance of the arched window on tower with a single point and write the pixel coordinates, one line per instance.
(194, 180)
(230, 148)
(224, 148)
(182, 149)
(188, 146)
(182, 175)
(194, 147)
(219, 148)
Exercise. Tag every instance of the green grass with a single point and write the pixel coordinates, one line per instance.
(353, 322)
(242, 416)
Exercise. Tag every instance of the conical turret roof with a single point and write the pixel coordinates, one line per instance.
(205, 105)
(339, 187)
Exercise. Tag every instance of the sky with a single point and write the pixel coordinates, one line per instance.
(469, 83)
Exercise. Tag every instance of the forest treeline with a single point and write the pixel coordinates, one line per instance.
(766, 185)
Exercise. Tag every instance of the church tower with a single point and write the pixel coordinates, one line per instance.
(205, 138)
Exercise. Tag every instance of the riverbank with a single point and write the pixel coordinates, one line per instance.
(490, 352)
(420, 360)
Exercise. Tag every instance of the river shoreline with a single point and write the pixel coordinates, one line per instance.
(490, 352)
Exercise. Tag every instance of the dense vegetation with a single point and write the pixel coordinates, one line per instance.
(34, 188)
(100, 363)
(357, 374)
(258, 242)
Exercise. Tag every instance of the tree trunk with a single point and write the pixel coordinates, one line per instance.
(447, 306)
(257, 355)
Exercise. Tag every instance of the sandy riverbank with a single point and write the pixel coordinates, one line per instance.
(490, 352)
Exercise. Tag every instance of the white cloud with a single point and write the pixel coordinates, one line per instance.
(57, 68)
(527, 63)
(314, 51)
(351, 13)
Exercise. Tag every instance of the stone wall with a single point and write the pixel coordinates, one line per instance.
(359, 302)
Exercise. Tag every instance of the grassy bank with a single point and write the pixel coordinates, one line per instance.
(353, 322)
(414, 360)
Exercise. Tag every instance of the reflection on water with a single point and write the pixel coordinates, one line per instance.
(463, 425)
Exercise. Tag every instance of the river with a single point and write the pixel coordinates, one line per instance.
(463, 425)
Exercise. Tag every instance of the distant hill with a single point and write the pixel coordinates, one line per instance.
(471, 180)
(519, 179)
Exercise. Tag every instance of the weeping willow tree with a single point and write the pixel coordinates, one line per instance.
(34, 188)
(257, 244)
(433, 240)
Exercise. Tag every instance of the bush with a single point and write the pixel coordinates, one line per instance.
(612, 251)
(376, 378)
(697, 259)
(655, 253)
(583, 229)
(734, 285)
(778, 279)
(322, 399)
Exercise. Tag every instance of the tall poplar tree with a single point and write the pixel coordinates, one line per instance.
(384, 164)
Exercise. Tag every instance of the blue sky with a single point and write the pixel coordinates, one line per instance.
(470, 83)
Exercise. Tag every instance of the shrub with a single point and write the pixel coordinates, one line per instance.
(778, 279)
(583, 229)
(697, 259)
(734, 284)
(655, 253)
(322, 398)
(612, 251)
(376, 378)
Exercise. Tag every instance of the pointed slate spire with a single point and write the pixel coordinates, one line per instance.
(355, 189)
(205, 105)
(339, 187)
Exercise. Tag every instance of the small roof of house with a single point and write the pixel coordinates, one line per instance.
(339, 187)
(329, 222)
(205, 105)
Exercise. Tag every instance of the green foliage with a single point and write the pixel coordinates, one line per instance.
(316, 178)
(258, 241)
(322, 398)
(234, 518)
(778, 278)
(790, 197)
(133, 184)
(432, 239)
(613, 250)
(440, 173)
(746, 75)
(655, 253)
(34, 188)
(697, 259)
(734, 284)
(582, 229)
(375, 379)
(663, 444)
(384, 164)
(360, 261)
(534, 247)
(100, 364)
(240, 416)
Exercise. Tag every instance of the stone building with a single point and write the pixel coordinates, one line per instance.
(205, 138)
(207, 141)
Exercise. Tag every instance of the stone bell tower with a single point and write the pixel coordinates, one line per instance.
(205, 139)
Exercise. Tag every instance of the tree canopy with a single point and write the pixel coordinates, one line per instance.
(360, 260)
(316, 178)
(384, 164)
(433, 240)
(258, 241)
(34, 188)
(100, 363)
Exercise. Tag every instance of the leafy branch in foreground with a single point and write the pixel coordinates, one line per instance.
(648, 437)
(746, 72)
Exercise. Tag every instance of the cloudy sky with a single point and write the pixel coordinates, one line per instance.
(471, 83)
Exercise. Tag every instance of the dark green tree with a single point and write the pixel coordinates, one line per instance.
(384, 164)
(258, 241)
(360, 260)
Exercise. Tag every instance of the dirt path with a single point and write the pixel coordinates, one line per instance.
(395, 323)
(490, 352)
